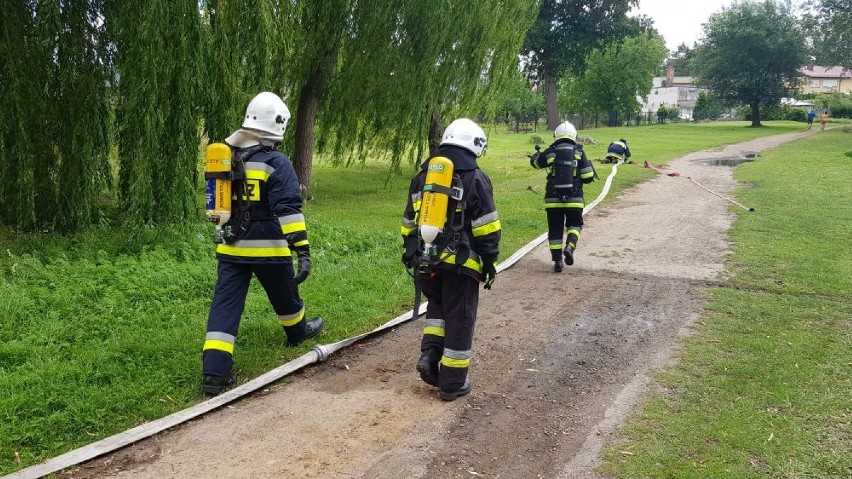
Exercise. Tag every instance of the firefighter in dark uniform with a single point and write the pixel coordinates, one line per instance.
(267, 226)
(567, 170)
(617, 151)
(465, 255)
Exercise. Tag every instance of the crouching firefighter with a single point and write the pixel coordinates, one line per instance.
(450, 232)
(617, 151)
(255, 234)
(567, 170)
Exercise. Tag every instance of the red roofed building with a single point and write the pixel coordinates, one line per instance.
(826, 79)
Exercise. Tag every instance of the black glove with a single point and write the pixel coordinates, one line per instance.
(303, 254)
(411, 255)
(490, 274)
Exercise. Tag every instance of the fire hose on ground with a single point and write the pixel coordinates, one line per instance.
(319, 353)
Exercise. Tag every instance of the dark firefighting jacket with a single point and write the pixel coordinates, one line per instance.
(582, 171)
(273, 221)
(477, 239)
(618, 150)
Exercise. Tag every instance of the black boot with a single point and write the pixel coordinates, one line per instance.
(213, 385)
(557, 266)
(427, 366)
(569, 255)
(312, 328)
(453, 395)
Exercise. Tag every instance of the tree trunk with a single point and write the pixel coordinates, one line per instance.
(613, 119)
(436, 128)
(553, 117)
(755, 114)
(306, 115)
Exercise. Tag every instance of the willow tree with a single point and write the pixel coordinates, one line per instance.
(55, 118)
(246, 52)
(157, 65)
(406, 65)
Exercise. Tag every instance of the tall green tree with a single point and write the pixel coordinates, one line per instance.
(54, 124)
(616, 75)
(563, 35)
(750, 53)
(520, 102)
(680, 60)
(158, 53)
(830, 27)
(417, 63)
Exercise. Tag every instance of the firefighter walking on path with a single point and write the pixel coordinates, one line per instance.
(567, 170)
(451, 231)
(266, 223)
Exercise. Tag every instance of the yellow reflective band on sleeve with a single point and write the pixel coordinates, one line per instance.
(293, 227)
(434, 331)
(486, 229)
(406, 231)
(304, 242)
(455, 363)
(588, 175)
(291, 319)
(218, 346)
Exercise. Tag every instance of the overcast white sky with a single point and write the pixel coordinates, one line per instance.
(679, 21)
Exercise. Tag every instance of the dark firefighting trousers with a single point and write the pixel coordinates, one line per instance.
(558, 218)
(229, 301)
(450, 317)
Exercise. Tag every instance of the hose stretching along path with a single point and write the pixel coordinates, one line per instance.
(319, 353)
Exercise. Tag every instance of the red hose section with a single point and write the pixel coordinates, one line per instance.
(661, 170)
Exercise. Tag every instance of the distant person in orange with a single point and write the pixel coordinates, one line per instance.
(823, 119)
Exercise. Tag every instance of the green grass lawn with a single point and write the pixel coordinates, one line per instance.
(763, 387)
(102, 331)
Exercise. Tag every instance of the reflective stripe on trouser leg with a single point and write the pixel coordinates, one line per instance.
(573, 225)
(555, 225)
(224, 319)
(434, 329)
(283, 294)
(460, 300)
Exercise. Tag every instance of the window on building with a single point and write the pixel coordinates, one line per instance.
(814, 83)
(829, 84)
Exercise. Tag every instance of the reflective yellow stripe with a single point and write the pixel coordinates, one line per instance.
(454, 363)
(291, 320)
(470, 263)
(563, 205)
(587, 175)
(218, 346)
(416, 205)
(556, 246)
(406, 231)
(434, 331)
(574, 231)
(252, 252)
(293, 227)
(487, 228)
(257, 175)
(301, 243)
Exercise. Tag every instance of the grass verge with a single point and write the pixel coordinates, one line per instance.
(102, 331)
(763, 387)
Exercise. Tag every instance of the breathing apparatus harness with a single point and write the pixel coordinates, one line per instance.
(242, 211)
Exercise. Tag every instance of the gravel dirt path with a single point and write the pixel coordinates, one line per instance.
(559, 361)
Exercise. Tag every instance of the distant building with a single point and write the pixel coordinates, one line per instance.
(672, 91)
(826, 80)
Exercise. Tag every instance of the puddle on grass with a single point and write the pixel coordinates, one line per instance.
(734, 161)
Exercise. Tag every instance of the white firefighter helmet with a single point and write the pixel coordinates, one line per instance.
(267, 113)
(565, 130)
(466, 134)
